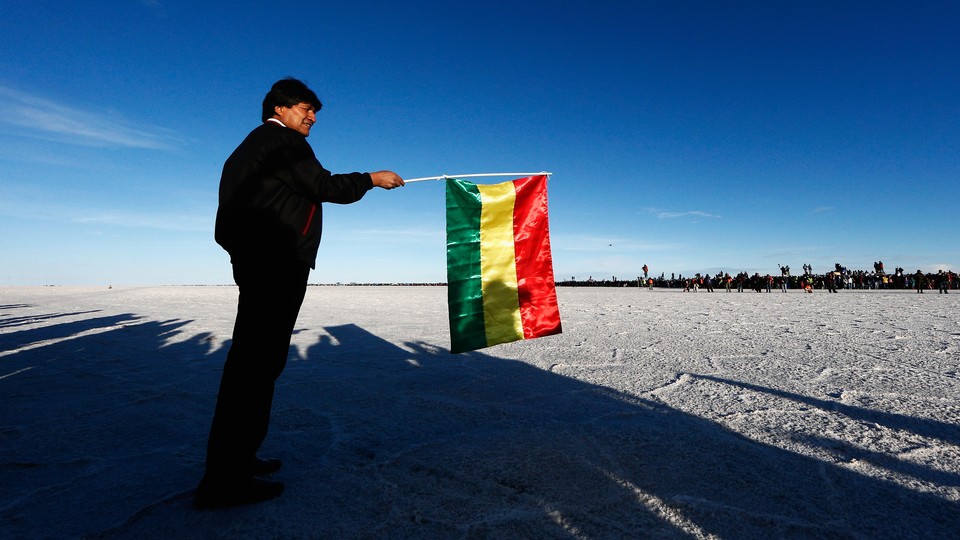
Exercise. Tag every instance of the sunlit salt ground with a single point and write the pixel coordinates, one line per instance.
(655, 414)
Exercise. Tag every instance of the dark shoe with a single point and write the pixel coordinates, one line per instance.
(263, 467)
(227, 492)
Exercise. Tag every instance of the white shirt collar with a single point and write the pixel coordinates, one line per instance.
(277, 121)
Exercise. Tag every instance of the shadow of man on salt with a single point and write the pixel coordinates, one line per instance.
(409, 440)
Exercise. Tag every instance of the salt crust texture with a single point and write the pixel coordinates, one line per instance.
(656, 414)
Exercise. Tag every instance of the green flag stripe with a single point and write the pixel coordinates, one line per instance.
(464, 291)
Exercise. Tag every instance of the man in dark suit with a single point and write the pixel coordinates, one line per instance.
(269, 220)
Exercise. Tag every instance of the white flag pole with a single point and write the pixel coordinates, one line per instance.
(445, 176)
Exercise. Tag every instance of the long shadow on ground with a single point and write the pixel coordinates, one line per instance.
(384, 441)
(472, 444)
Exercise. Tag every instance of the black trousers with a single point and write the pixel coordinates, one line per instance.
(271, 294)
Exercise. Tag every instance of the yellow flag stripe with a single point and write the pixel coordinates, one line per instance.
(498, 264)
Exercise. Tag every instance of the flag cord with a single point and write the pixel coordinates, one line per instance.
(445, 176)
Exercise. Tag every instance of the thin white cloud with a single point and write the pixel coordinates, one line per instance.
(669, 214)
(159, 221)
(400, 233)
(47, 119)
(822, 209)
(404, 235)
(663, 214)
(32, 205)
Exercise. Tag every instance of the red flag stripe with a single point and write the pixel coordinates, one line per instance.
(539, 312)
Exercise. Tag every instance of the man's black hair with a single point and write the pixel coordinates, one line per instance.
(287, 93)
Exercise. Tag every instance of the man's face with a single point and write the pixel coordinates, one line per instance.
(300, 117)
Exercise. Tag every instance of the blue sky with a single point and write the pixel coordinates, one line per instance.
(689, 136)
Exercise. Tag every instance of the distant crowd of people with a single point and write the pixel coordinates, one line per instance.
(838, 278)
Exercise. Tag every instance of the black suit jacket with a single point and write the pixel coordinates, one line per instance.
(271, 192)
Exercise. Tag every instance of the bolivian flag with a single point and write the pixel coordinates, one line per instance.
(500, 284)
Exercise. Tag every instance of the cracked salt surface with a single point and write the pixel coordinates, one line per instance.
(655, 414)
